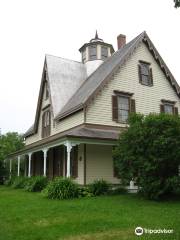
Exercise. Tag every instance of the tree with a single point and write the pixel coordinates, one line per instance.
(10, 142)
(149, 153)
(177, 3)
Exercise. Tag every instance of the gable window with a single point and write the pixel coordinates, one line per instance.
(122, 106)
(46, 123)
(92, 52)
(145, 73)
(46, 91)
(168, 107)
(104, 52)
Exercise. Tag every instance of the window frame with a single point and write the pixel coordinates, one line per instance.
(149, 75)
(46, 91)
(120, 120)
(168, 103)
(46, 123)
(104, 57)
(127, 95)
(92, 57)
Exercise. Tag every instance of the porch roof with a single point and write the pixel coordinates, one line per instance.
(85, 133)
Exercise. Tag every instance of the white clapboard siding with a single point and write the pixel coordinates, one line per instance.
(148, 99)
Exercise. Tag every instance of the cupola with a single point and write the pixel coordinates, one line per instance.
(95, 52)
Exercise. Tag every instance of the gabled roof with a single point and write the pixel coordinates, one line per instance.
(65, 77)
(71, 89)
(96, 81)
(29, 132)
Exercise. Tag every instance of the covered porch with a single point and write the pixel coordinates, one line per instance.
(83, 153)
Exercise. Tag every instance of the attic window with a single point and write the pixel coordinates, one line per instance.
(104, 52)
(145, 73)
(46, 123)
(46, 91)
(92, 52)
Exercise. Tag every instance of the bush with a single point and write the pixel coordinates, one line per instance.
(149, 152)
(19, 182)
(61, 188)
(84, 192)
(99, 187)
(118, 190)
(9, 181)
(36, 184)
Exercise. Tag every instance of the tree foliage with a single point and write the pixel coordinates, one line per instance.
(177, 3)
(149, 153)
(9, 143)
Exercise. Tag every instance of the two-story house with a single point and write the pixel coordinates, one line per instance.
(84, 106)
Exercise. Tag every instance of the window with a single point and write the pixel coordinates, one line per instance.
(168, 107)
(123, 108)
(47, 91)
(84, 56)
(92, 52)
(46, 122)
(145, 74)
(122, 105)
(104, 52)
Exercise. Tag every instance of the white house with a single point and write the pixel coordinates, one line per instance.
(84, 106)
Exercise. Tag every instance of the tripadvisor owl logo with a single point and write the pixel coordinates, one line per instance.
(138, 231)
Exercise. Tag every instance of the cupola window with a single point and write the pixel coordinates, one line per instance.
(84, 56)
(92, 52)
(104, 52)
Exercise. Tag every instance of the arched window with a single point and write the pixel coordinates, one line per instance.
(46, 124)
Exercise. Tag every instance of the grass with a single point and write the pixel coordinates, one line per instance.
(29, 216)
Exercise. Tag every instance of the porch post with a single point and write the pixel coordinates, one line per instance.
(19, 159)
(45, 160)
(68, 149)
(10, 168)
(25, 166)
(29, 169)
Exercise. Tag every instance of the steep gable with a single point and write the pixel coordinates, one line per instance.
(63, 77)
(126, 80)
(97, 80)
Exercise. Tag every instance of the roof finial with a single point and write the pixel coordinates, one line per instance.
(96, 38)
(96, 35)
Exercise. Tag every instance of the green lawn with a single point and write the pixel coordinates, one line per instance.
(28, 216)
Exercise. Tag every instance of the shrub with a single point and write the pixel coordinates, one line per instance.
(36, 184)
(19, 182)
(149, 152)
(118, 190)
(61, 188)
(84, 192)
(9, 181)
(99, 187)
